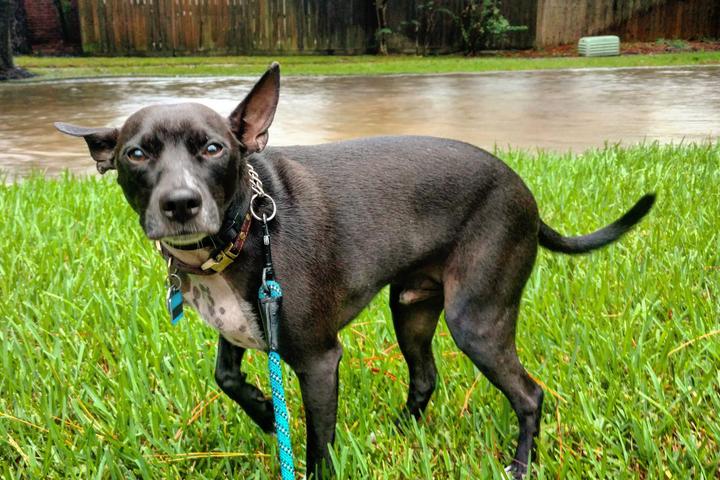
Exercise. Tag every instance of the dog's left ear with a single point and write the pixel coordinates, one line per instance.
(100, 141)
(251, 119)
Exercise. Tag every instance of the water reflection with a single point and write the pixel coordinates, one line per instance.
(557, 110)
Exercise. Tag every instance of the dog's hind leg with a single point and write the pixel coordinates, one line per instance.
(415, 324)
(483, 283)
(500, 364)
(232, 381)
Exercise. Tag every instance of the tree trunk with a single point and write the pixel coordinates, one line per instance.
(7, 66)
(381, 12)
(7, 13)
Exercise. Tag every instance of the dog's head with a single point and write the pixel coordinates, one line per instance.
(179, 165)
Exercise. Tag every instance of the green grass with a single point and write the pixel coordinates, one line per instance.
(73, 67)
(97, 384)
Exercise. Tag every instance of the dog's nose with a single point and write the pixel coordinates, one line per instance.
(181, 204)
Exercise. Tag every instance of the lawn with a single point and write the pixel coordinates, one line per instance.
(76, 67)
(96, 383)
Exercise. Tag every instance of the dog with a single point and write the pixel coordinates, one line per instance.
(446, 225)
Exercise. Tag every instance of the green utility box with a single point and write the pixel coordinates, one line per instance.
(605, 46)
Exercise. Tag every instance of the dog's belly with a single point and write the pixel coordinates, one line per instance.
(224, 310)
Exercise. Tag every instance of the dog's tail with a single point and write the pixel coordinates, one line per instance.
(552, 240)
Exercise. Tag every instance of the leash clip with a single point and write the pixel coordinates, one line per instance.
(270, 303)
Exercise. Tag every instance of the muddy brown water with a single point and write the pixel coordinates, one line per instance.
(554, 110)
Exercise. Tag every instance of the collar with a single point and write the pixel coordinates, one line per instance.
(231, 235)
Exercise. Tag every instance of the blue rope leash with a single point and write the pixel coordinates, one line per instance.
(282, 419)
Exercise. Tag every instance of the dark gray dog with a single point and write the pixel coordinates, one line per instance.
(445, 224)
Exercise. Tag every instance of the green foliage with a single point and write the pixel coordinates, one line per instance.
(64, 7)
(96, 383)
(421, 28)
(675, 44)
(383, 31)
(483, 25)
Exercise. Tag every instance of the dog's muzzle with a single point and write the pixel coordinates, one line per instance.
(181, 205)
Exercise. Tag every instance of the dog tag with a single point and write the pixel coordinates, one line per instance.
(174, 302)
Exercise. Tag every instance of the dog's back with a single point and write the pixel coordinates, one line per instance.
(379, 197)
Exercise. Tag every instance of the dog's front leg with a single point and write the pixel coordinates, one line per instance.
(232, 381)
(318, 376)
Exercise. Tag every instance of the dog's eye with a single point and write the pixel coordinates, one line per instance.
(213, 150)
(136, 155)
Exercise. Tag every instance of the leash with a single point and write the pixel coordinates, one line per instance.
(269, 303)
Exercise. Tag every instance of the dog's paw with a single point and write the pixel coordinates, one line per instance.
(516, 472)
(403, 422)
(407, 419)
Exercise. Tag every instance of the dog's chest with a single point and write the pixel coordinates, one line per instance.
(224, 310)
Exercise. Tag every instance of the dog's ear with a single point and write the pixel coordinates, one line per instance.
(251, 119)
(100, 141)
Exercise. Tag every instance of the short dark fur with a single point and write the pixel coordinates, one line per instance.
(447, 225)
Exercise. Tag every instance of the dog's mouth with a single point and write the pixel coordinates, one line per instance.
(182, 240)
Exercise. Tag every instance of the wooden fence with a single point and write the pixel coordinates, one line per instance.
(178, 27)
(224, 26)
(564, 21)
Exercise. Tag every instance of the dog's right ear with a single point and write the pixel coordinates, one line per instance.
(251, 119)
(100, 141)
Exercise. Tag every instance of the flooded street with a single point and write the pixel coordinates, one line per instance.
(556, 110)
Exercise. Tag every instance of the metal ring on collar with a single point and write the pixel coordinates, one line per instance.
(252, 210)
(173, 280)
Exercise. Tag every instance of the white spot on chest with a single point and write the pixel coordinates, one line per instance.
(224, 310)
(220, 305)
